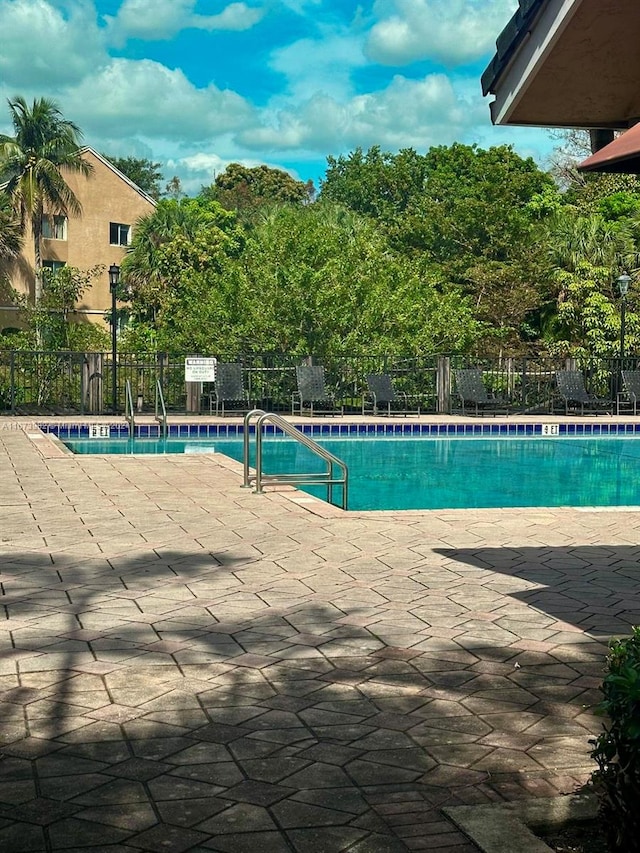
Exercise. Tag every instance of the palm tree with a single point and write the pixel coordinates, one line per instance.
(10, 230)
(599, 242)
(31, 165)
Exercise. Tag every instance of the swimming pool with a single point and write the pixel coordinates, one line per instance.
(396, 473)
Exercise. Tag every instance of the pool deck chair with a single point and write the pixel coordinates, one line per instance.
(312, 389)
(572, 389)
(228, 389)
(630, 390)
(381, 395)
(471, 389)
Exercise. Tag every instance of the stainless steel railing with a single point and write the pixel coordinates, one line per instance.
(161, 409)
(129, 412)
(259, 478)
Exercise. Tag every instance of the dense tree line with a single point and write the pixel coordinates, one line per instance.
(458, 250)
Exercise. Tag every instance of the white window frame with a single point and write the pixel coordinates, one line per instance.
(55, 225)
(123, 234)
(53, 265)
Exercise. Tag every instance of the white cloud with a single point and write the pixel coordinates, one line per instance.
(453, 32)
(417, 113)
(44, 47)
(142, 108)
(161, 19)
(236, 16)
(300, 6)
(319, 66)
(131, 98)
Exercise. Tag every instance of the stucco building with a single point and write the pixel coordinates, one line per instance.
(111, 206)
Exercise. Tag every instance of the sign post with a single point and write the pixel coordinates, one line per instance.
(197, 369)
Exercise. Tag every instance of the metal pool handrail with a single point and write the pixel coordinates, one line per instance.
(161, 409)
(327, 477)
(128, 409)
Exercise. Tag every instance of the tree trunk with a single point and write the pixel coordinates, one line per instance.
(36, 227)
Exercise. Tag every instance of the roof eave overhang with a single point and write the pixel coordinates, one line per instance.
(622, 156)
(534, 46)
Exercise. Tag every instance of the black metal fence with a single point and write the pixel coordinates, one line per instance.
(81, 383)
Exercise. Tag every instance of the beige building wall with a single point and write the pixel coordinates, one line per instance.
(106, 196)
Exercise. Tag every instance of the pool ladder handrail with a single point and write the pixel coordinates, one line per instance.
(161, 410)
(260, 478)
(129, 413)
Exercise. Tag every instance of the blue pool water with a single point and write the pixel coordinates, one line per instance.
(431, 473)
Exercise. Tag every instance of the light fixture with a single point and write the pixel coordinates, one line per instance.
(623, 284)
(114, 278)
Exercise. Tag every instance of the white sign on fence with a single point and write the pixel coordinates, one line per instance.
(200, 369)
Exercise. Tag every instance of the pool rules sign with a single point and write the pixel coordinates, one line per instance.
(198, 369)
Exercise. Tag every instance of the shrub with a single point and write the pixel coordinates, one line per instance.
(617, 748)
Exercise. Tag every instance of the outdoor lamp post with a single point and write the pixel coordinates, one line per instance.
(623, 287)
(114, 278)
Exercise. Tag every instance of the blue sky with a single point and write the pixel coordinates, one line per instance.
(197, 84)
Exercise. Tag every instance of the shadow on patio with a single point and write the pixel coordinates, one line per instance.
(164, 704)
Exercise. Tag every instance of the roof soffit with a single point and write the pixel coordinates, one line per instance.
(576, 66)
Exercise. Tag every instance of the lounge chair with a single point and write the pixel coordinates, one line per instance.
(630, 390)
(471, 389)
(381, 392)
(572, 389)
(312, 389)
(228, 388)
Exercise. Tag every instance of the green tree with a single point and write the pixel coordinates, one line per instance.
(178, 249)
(143, 172)
(184, 225)
(321, 280)
(473, 205)
(10, 245)
(247, 190)
(32, 164)
(473, 215)
(51, 323)
(588, 318)
(10, 230)
(375, 183)
(575, 239)
(476, 220)
(315, 279)
(587, 253)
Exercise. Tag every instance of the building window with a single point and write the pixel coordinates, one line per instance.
(53, 266)
(119, 234)
(54, 227)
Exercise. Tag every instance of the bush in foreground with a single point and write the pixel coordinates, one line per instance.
(617, 748)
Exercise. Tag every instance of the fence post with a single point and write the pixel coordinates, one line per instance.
(93, 382)
(508, 363)
(194, 395)
(443, 385)
(12, 382)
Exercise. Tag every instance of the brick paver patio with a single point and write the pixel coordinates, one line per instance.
(187, 666)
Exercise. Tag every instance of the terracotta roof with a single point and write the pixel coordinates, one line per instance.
(621, 155)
